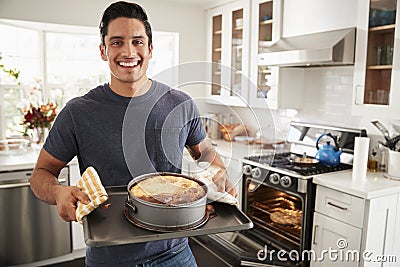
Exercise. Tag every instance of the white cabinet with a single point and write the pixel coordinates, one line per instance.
(377, 60)
(228, 31)
(271, 87)
(354, 228)
(236, 78)
(329, 234)
(310, 16)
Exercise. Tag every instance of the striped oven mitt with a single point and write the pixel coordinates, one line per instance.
(90, 184)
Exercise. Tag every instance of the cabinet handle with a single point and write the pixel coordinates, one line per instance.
(336, 206)
(359, 95)
(315, 234)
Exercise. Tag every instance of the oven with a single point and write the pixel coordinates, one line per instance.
(281, 209)
(279, 197)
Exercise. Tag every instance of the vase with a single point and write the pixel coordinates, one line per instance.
(39, 135)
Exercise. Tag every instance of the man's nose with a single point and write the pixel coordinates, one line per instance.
(130, 50)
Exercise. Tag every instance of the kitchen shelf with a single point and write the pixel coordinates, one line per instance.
(382, 28)
(379, 67)
(266, 22)
(218, 49)
(219, 32)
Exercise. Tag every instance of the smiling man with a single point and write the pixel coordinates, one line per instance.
(127, 127)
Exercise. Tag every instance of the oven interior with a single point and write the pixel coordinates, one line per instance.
(277, 216)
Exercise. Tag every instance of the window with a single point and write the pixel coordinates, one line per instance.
(59, 62)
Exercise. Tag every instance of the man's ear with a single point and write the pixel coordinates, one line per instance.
(151, 50)
(103, 52)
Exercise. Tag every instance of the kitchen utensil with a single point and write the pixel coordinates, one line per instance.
(382, 129)
(107, 227)
(392, 142)
(304, 161)
(328, 154)
(166, 217)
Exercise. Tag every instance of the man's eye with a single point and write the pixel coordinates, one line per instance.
(138, 42)
(116, 43)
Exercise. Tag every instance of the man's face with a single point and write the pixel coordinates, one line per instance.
(127, 51)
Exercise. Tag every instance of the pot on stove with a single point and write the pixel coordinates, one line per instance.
(328, 154)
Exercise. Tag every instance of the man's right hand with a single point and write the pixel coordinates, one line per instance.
(66, 200)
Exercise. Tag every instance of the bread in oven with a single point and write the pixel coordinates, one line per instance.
(168, 189)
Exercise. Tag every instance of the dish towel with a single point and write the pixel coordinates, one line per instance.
(205, 173)
(90, 184)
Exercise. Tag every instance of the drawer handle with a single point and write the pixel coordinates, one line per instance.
(315, 234)
(336, 206)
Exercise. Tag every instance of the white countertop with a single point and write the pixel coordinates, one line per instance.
(375, 184)
(238, 150)
(25, 161)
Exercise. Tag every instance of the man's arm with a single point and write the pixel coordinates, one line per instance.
(45, 186)
(205, 152)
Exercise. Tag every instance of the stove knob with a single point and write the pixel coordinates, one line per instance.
(246, 169)
(274, 178)
(256, 172)
(286, 181)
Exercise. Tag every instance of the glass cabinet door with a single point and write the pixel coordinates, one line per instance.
(265, 22)
(237, 52)
(381, 30)
(216, 54)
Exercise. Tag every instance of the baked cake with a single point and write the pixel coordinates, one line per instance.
(168, 189)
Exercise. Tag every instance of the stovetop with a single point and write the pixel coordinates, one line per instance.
(283, 161)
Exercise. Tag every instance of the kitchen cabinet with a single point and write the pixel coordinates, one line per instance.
(376, 71)
(302, 17)
(228, 29)
(236, 78)
(354, 227)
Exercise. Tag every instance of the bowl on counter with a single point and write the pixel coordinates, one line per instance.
(13, 147)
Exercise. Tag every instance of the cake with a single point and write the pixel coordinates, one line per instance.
(168, 189)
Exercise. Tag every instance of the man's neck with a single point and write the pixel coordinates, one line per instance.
(131, 90)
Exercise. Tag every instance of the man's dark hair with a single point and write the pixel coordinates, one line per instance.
(126, 10)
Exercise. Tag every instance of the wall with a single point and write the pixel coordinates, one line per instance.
(162, 15)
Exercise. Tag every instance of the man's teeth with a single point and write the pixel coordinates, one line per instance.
(128, 64)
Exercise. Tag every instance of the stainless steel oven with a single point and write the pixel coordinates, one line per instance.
(278, 197)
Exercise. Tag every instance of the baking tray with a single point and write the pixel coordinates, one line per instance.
(107, 227)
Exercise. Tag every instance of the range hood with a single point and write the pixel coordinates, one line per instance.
(331, 48)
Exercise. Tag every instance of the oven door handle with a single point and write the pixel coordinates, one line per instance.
(336, 206)
(23, 184)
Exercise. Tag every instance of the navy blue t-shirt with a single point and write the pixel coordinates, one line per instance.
(122, 137)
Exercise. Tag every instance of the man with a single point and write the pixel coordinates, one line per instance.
(131, 126)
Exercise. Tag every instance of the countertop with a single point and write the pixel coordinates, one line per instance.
(25, 161)
(238, 150)
(375, 185)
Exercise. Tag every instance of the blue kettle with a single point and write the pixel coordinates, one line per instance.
(327, 154)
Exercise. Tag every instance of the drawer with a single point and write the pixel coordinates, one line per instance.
(341, 206)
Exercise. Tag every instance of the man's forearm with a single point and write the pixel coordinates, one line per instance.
(44, 185)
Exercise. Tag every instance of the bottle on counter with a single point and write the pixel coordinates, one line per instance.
(383, 157)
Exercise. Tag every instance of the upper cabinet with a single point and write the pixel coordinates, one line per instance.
(271, 87)
(234, 46)
(229, 31)
(376, 71)
(302, 17)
